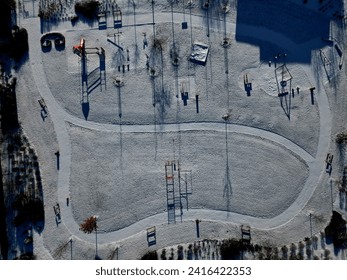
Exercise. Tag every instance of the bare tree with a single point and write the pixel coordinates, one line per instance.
(89, 225)
(341, 138)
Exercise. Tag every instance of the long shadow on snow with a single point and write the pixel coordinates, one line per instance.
(290, 21)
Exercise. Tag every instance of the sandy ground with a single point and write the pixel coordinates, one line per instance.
(113, 156)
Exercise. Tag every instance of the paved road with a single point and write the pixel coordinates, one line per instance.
(59, 117)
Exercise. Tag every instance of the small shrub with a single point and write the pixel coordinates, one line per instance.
(275, 254)
(26, 256)
(261, 256)
(150, 255)
(292, 251)
(308, 241)
(197, 249)
(315, 242)
(257, 248)
(171, 254)
(180, 252)
(159, 43)
(231, 249)
(87, 8)
(49, 11)
(268, 252)
(190, 252)
(337, 229)
(284, 250)
(341, 138)
(89, 225)
(326, 254)
(20, 45)
(163, 254)
(12, 4)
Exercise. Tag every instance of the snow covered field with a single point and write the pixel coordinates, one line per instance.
(262, 166)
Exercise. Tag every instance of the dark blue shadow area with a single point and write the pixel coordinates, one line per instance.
(46, 25)
(85, 110)
(277, 26)
(57, 154)
(94, 80)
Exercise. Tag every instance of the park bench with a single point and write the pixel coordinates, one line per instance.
(57, 213)
(328, 161)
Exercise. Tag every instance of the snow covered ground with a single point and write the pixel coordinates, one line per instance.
(263, 166)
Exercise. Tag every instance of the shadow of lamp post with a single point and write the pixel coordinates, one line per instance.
(226, 118)
(227, 183)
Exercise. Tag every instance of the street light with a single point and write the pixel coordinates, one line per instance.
(70, 240)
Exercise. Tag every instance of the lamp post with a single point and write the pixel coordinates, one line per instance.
(116, 250)
(153, 19)
(70, 240)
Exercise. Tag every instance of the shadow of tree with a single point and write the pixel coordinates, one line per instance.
(162, 99)
(227, 192)
(118, 59)
(25, 205)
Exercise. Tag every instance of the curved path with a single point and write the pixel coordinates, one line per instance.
(60, 117)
